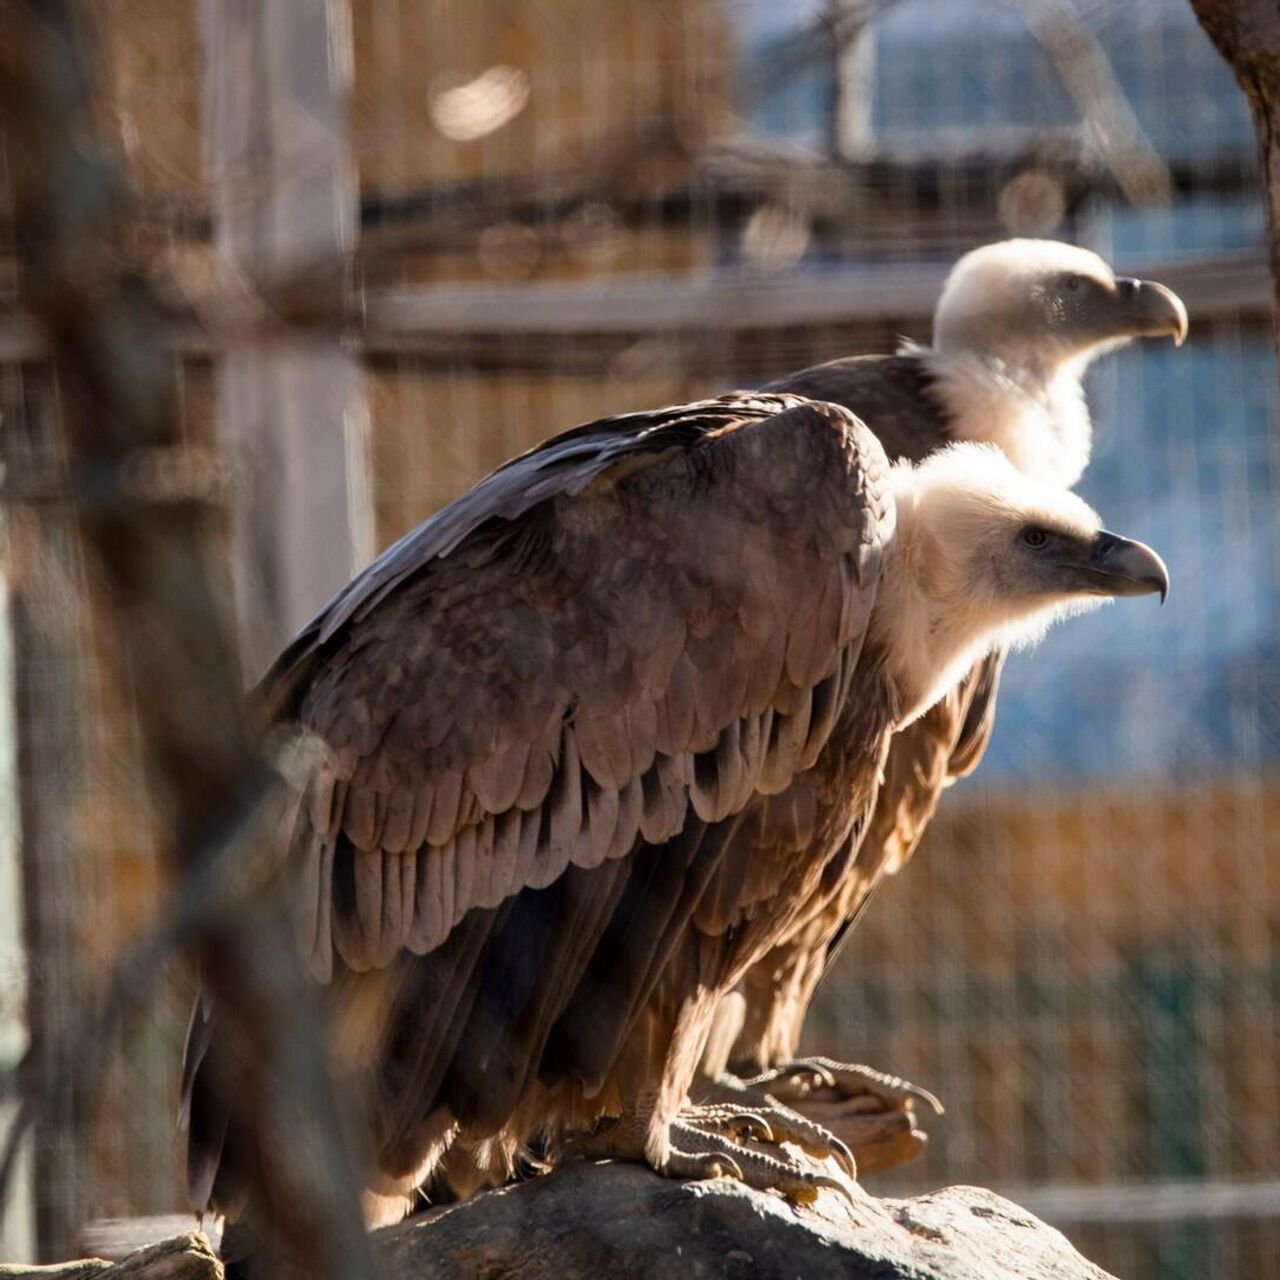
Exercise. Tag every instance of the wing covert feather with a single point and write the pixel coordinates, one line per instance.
(893, 394)
(592, 652)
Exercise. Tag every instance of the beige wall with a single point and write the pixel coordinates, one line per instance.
(436, 434)
(596, 72)
(591, 75)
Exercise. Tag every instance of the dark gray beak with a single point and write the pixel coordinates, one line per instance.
(1118, 567)
(1149, 310)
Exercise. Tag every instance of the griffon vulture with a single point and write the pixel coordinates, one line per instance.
(1015, 327)
(592, 737)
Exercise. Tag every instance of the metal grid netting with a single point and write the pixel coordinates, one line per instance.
(1083, 957)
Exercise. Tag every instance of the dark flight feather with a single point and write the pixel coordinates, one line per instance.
(540, 713)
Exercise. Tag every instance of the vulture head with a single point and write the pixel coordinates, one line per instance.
(1015, 328)
(1045, 302)
(986, 556)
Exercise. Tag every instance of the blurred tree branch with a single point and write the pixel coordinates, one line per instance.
(1085, 72)
(163, 636)
(1247, 35)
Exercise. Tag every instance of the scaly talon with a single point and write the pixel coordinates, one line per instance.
(751, 1125)
(798, 1079)
(790, 1126)
(775, 1123)
(874, 1113)
(724, 1139)
(726, 1118)
(812, 1138)
(757, 1169)
(804, 1075)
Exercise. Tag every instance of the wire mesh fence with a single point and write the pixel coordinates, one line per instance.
(563, 210)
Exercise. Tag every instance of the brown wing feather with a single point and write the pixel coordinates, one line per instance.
(975, 732)
(444, 687)
(923, 759)
(893, 395)
(574, 647)
(944, 744)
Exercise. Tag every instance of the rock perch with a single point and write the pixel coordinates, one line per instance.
(622, 1222)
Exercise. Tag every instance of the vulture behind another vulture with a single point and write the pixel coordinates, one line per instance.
(1017, 324)
(593, 738)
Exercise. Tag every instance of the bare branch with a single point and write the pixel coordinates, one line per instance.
(169, 647)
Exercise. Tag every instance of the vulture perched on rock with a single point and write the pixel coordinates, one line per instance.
(592, 739)
(1016, 325)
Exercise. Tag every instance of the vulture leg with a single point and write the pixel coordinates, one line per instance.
(799, 1079)
(874, 1113)
(773, 1123)
(721, 1140)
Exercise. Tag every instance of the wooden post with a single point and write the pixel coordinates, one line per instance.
(292, 410)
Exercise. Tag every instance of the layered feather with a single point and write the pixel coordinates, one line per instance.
(543, 714)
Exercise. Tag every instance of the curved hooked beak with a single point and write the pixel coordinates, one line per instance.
(1116, 566)
(1149, 310)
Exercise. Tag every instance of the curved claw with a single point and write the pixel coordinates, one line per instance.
(852, 1080)
(843, 1156)
(725, 1166)
(752, 1124)
(896, 1085)
(931, 1098)
(701, 1165)
(729, 1119)
(802, 1185)
(835, 1184)
(817, 1140)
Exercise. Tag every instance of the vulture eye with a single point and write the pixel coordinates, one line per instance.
(1035, 537)
(1073, 283)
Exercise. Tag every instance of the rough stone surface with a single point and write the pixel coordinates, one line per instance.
(620, 1221)
(185, 1257)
